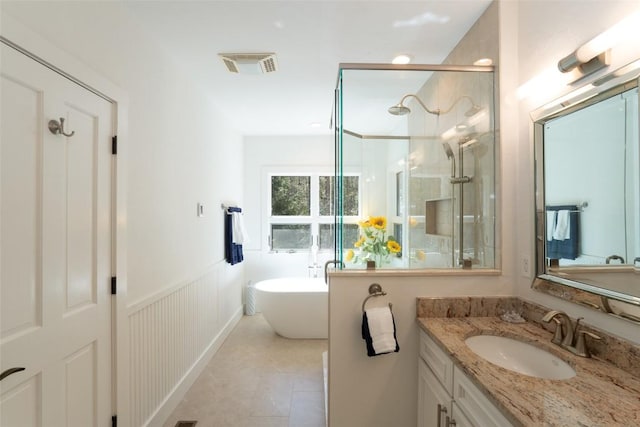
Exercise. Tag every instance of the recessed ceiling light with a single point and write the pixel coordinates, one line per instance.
(484, 61)
(401, 59)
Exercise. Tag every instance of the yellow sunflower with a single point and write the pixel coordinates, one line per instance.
(359, 242)
(379, 222)
(365, 223)
(393, 246)
(349, 256)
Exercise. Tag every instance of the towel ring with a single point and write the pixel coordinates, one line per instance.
(375, 290)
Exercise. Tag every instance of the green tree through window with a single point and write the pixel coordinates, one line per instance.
(303, 207)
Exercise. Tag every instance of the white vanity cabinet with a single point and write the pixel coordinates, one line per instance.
(446, 397)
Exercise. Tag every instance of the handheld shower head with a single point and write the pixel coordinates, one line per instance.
(447, 150)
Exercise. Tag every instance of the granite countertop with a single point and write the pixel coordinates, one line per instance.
(599, 395)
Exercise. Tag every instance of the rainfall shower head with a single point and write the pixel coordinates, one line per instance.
(400, 109)
(472, 111)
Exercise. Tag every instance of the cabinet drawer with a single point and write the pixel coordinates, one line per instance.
(438, 361)
(474, 404)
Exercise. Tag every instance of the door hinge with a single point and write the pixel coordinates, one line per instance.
(114, 421)
(114, 144)
(113, 285)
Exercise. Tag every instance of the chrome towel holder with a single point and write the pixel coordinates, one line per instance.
(375, 290)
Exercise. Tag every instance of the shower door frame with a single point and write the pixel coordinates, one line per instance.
(337, 120)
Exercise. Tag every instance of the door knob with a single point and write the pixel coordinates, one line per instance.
(10, 371)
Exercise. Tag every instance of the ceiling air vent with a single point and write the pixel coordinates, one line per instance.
(250, 63)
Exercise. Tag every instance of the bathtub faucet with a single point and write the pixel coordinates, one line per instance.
(326, 266)
(313, 270)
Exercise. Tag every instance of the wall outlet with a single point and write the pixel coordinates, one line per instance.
(525, 267)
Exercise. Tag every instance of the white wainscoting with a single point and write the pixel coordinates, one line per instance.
(174, 334)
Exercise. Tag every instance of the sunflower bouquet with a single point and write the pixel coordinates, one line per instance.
(373, 244)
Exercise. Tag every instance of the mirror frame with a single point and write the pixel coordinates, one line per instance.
(587, 294)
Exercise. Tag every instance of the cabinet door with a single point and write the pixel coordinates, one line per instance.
(434, 403)
(458, 419)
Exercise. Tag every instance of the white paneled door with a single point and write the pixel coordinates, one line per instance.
(55, 243)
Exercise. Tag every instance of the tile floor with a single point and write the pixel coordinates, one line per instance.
(257, 379)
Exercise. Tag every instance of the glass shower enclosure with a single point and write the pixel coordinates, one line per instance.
(415, 166)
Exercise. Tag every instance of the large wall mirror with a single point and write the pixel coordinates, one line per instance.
(587, 152)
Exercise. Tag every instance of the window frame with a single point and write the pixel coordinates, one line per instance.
(314, 219)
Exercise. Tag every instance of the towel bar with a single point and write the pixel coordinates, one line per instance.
(375, 290)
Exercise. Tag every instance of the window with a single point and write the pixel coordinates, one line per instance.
(302, 209)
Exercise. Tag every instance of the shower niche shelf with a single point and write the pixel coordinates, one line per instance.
(437, 217)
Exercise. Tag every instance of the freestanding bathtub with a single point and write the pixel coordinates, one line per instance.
(295, 307)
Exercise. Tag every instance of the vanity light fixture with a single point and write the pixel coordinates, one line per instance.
(628, 69)
(595, 54)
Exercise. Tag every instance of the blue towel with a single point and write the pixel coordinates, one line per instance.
(569, 248)
(232, 252)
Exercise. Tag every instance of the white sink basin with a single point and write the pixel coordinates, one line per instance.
(520, 357)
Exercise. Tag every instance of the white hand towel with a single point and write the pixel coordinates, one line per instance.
(238, 231)
(562, 230)
(381, 328)
(551, 224)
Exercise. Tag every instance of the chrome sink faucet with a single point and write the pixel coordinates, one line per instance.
(567, 336)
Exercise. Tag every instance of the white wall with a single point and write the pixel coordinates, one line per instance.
(534, 36)
(261, 153)
(178, 152)
(381, 391)
(181, 151)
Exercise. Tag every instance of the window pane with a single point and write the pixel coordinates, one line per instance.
(350, 196)
(327, 195)
(290, 236)
(397, 234)
(291, 195)
(350, 235)
(327, 235)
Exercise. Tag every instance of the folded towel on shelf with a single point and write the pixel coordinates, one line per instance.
(379, 331)
(562, 230)
(551, 224)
